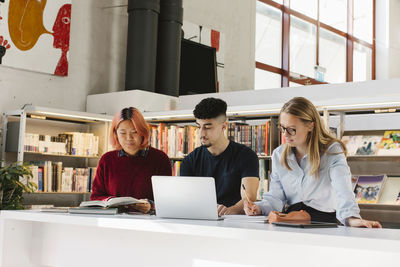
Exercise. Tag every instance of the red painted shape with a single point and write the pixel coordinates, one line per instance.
(62, 66)
(215, 35)
(8, 46)
(1, 39)
(61, 30)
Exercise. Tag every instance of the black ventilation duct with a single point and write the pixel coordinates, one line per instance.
(154, 46)
(169, 47)
(142, 44)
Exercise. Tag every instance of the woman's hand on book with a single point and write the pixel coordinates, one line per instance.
(357, 222)
(250, 208)
(142, 207)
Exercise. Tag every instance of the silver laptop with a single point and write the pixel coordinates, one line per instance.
(185, 197)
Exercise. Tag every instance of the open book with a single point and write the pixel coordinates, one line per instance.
(112, 202)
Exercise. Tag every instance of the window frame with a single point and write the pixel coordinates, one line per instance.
(284, 71)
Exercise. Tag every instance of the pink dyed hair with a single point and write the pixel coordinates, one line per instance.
(134, 115)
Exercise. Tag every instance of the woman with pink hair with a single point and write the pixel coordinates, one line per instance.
(127, 170)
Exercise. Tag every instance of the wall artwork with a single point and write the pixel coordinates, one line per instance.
(210, 37)
(34, 35)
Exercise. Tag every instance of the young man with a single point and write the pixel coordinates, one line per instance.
(231, 164)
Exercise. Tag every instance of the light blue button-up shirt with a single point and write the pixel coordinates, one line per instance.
(332, 191)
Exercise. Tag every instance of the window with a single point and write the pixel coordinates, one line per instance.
(310, 42)
(302, 46)
(334, 13)
(306, 7)
(266, 80)
(362, 20)
(268, 35)
(362, 63)
(332, 56)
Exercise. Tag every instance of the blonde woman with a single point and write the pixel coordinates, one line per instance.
(309, 173)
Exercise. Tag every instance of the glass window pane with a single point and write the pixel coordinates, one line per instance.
(302, 46)
(334, 13)
(332, 56)
(362, 63)
(265, 79)
(293, 84)
(306, 7)
(268, 35)
(363, 20)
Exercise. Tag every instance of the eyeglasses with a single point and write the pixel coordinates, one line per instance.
(290, 131)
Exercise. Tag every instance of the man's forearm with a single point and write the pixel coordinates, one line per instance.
(238, 207)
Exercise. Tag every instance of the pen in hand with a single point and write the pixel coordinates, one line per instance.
(247, 196)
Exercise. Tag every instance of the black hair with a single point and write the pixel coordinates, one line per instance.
(210, 108)
(127, 113)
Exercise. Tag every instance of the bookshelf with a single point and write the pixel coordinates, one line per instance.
(364, 118)
(36, 134)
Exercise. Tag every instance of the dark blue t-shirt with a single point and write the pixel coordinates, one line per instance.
(228, 169)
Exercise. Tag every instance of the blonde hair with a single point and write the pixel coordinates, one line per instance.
(318, 139)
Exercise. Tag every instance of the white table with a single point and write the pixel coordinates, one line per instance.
(30, 238)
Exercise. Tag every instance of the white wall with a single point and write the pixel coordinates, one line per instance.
(387, 39)
(236, 20)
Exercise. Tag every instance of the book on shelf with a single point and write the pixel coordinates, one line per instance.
(390, 191)
(354, 179)
(368, 145)
(369, 188)
(70, 143)
(180, 140)
(112, 202)
(176, 167)
(263, 184)
(352, 143)
(53, 177)
(255, 137)
(390, 144)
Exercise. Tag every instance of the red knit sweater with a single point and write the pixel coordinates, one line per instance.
(121, 175)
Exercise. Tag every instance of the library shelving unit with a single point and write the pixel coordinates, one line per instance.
(364, 118)
(49, 121)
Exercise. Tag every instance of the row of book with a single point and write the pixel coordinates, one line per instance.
(53, 177)
(386, 145)
(174, 140)
(255, 137)
(178, 141)
(373, 189)
(70, 143)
